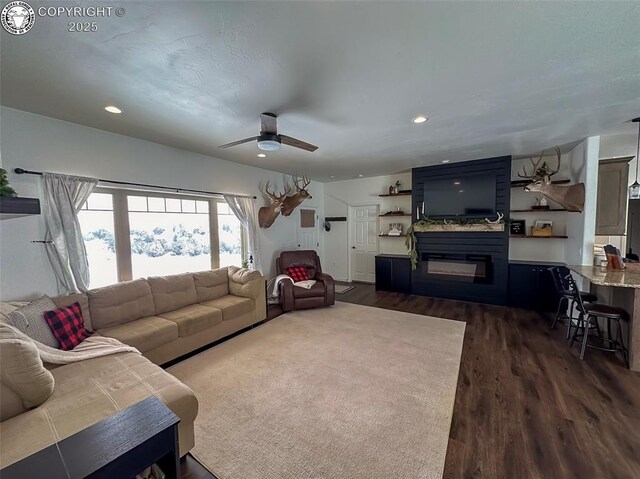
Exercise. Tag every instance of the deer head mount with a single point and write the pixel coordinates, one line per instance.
(268, 214)
(292, 202)
(570, 197)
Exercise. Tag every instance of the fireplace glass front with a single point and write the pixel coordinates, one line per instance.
(462, 268)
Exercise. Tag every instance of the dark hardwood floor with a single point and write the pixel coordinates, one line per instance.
(526, 406)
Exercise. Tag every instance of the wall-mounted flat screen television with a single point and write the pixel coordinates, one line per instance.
(465, 196)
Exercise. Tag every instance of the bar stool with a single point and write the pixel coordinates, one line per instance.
(559, 276)
(588, 315)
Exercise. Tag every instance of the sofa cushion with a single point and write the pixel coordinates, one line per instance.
(22, 373)
(144, 334)
(245, 283)
(193, 319)
(30, 320)
(120, 303)
(67, 325)
(69, 299)
(231, 306)
(173, 292)
(87, 392)
(211, 284)
(317, 290)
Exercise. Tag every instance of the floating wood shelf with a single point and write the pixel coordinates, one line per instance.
(538, 211)
(403, 193)
(539, 237)
(15, 207)
(397, 216)
(518, 183)
(392, 236)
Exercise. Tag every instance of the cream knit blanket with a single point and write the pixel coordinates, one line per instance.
(93, 347)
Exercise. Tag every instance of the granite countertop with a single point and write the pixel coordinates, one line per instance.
(608, 277)
(536, 263)
(390, 255)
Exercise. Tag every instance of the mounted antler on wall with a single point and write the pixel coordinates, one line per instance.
(268, 214)
(570, 197)
(292, 202)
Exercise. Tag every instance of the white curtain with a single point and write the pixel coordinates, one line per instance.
(63, 197)
(245, 210)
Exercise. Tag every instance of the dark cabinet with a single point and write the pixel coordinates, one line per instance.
(531, 287)
(393, 273)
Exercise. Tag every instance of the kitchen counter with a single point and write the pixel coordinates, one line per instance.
(618, 288)
(608, 277)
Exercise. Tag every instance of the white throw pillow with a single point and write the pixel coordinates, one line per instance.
(30, 320)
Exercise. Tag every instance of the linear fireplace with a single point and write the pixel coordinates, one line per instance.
(464, 268)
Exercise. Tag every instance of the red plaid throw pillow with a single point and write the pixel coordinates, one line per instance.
(67, 325)
(298, 273)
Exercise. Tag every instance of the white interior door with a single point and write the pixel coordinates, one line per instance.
(308, 230)
(364, 242)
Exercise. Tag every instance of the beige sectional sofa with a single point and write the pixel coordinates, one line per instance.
(168, 316)
(163, 317)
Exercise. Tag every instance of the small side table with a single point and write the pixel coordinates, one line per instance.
(121, 445)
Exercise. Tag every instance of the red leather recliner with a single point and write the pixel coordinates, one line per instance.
(294, 297)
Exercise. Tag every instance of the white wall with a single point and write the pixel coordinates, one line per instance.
(581, 227)
(339, 195)
(573, 250)
(40, 143)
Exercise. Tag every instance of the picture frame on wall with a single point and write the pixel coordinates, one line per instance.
(541, 224)
(517, 227)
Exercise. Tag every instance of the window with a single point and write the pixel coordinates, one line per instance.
(131, 235)
(96, 222)
(229, 236)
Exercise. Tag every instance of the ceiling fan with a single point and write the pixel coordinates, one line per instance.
(269, 139)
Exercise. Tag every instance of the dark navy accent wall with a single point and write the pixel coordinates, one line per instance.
(495, 244)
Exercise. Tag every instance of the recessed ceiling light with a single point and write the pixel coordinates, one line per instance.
(445, 161)
(112, 109)
(460, 191)
(261, 155)
(360, 176)
(419, 119)
(456, 182)
(333, 176)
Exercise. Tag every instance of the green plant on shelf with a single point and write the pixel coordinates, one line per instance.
(425, 222)
(5, 189)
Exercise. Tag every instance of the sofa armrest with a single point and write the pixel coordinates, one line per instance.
(286, 295)
(249, 284)
(244, 282)
(329, 287)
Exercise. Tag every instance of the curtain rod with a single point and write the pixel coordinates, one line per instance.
(22, 171)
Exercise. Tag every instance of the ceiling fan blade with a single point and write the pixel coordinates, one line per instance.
(268, 123)
(287, 140)
(239, 142)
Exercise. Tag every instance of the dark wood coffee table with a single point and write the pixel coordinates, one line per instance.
(119, 446)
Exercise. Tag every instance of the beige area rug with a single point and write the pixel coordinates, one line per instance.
(343, 392)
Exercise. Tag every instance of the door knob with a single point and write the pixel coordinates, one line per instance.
(353, 247)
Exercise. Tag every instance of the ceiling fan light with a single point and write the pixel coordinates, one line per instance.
(268, 145)
(268, 142)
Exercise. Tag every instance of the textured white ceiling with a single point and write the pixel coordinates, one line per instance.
(496, 78)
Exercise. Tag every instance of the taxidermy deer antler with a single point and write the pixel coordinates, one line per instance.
(292, 202)
(541, 172)
(570, 197)
(268, 214)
